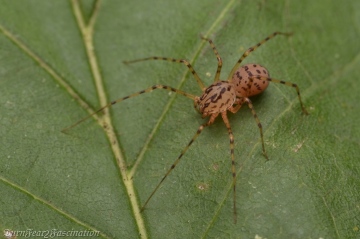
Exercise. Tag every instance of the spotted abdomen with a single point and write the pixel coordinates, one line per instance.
(241, 80)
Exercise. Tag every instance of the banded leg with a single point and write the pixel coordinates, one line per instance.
(198, 132)
(263, 78)
(253, 48)
(233, 169)
(183, 61)
(218, 70)
(180, 92)
(248, 101)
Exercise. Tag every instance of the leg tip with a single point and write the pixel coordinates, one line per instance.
(203, 37)
(64, 131)
(304, 111)
(265, 155)
(288, 33)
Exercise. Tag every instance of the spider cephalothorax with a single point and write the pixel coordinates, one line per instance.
(218, 97)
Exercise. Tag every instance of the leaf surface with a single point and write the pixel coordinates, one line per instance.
(93, 179)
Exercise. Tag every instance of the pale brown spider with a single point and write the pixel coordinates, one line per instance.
(218, 98)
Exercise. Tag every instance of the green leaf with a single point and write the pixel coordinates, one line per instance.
(55, 71)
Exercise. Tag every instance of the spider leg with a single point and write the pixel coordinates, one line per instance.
(183, 61)
(180, 92)
(217, 75)
(198, 132)
(253, 48)
(238, 102)
(284, 83)
(233, 169)
(248, 101)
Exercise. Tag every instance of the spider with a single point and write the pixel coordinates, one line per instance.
(217, 99)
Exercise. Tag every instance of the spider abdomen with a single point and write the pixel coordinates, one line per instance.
(241, 80)
(217, 98)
